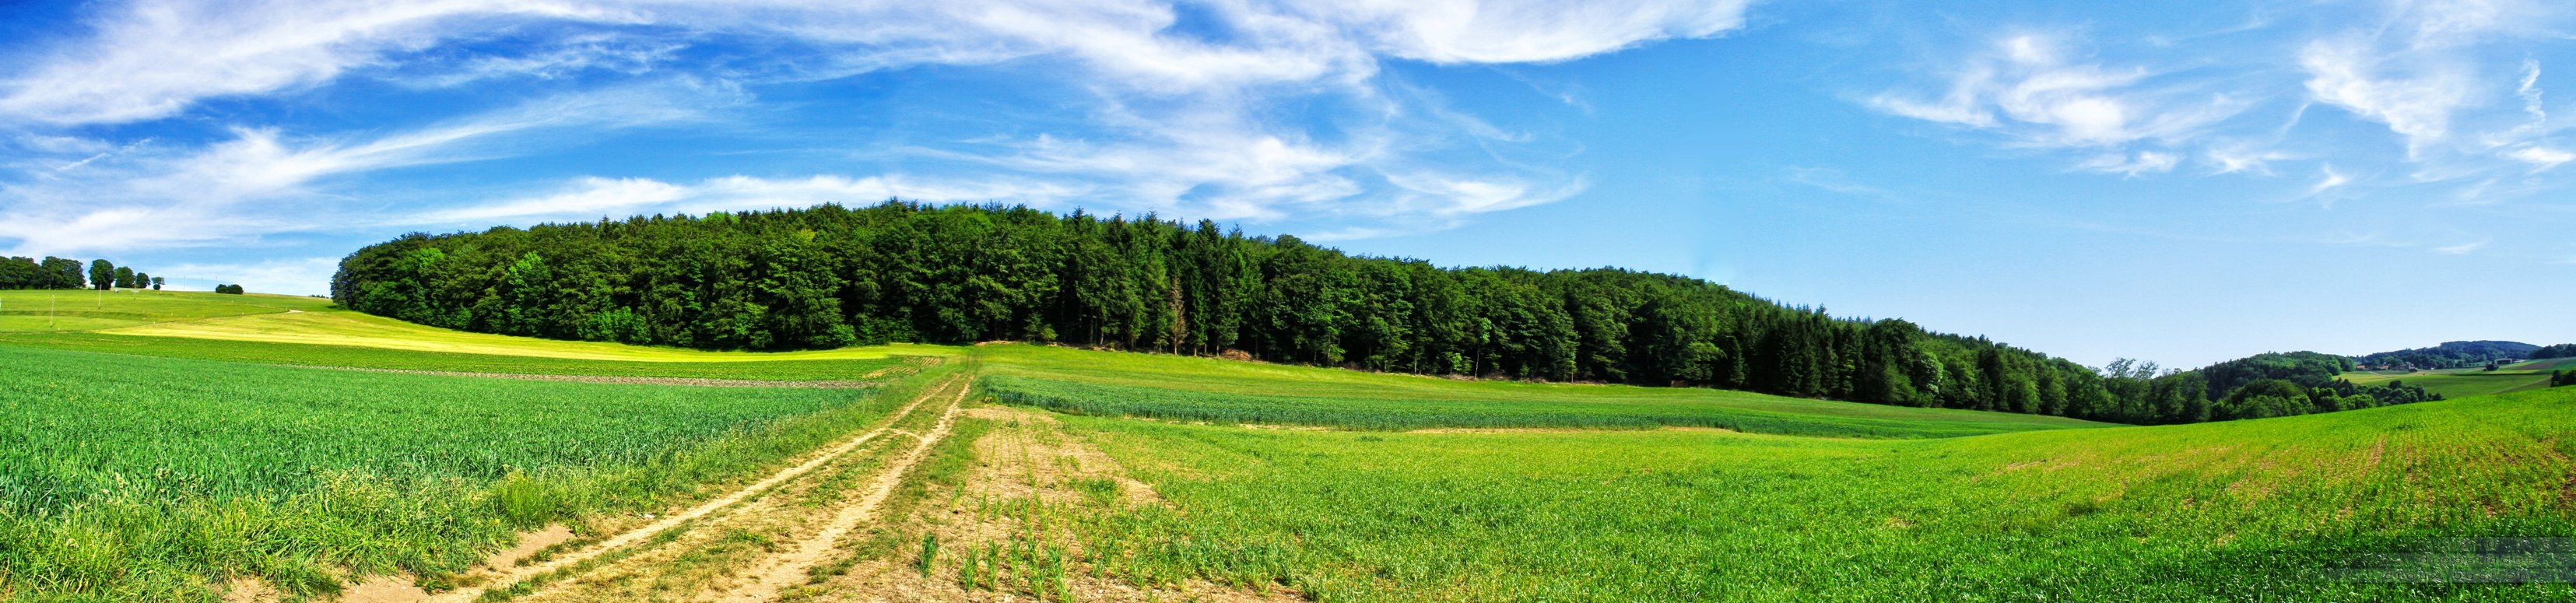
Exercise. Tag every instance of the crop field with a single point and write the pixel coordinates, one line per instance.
(2544, 364)
(188, 462)
(90, 310)
(277, 329)
(351, 329)
(2459, 383)
(2252, 510)
(132, 483)
(1197, 389)
(410, 360)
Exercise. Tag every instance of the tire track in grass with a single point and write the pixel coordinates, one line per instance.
(795, 566)
(512, 578)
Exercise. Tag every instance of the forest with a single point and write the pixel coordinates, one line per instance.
(2453, 354)
(832, 276)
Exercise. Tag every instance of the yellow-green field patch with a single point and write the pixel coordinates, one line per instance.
(343, 328)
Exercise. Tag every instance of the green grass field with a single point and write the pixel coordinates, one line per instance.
(2544, 364)
(154, 478)
(2252, 510)
(1222, 391)
(278, 329)
(160, 448)
(2459, 383)
(86, 310)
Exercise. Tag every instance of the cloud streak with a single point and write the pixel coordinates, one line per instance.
(1182, 117)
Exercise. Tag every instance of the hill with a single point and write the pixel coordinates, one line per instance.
(828, 276)
(2451, 354)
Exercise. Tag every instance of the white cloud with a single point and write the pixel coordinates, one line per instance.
(2541, 158)
(261, 181)
(2417, 106)
(1467, 31)
(2328, 179)
(2030, 89)
(154, 58)
(1183, 120)
(593, 197)
(2144, 162)
(2460, 248)
(2234, 160)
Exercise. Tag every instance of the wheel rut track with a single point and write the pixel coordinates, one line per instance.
(646, 535)
(783, 571)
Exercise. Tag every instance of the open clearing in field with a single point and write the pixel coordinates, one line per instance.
(1231, 392)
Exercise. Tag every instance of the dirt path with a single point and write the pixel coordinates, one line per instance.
(792, 567)
(509, 577)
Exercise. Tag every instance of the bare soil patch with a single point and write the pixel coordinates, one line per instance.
(1026, 461)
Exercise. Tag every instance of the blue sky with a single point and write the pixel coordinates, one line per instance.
(2182, 183)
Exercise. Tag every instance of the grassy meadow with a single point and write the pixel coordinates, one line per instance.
(278, 329)
(85, 310)
(352, 329)
(2250, 510)
(1222, 391)
(162, 476)
(2461, 383)
(176, 441)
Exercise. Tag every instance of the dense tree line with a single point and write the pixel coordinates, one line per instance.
(2452, 354)
(2562, 377)
(62, 273)
(51, 273)
(2554, 351)
(832, 276)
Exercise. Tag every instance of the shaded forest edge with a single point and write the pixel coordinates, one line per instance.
(832, 276)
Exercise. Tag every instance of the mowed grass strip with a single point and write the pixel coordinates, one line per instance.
(1224, 391)
(136, 478)
(2249, 510)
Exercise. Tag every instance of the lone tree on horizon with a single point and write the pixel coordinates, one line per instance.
(102, 274)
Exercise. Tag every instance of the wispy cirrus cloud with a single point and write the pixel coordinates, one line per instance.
(1181, 116)
(260, 181)
(2035, 90)
(594, 197)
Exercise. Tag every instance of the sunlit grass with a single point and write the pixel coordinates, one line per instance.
(343, 328)
(2459, 383)
(269, 352)
(2226, 511)
(1225, 391)
(81, 310)
(138, 478)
